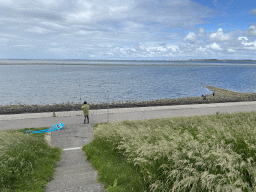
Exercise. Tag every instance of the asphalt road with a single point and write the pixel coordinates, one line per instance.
(8, 122)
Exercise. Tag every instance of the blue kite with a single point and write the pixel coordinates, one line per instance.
(53, 128)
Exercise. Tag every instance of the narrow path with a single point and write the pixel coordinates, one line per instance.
(73, 172)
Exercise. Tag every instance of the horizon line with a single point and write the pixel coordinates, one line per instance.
(143, 59)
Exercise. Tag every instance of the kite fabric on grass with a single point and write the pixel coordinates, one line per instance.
(53, 128)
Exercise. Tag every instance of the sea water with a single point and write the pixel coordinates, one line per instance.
(62, 81)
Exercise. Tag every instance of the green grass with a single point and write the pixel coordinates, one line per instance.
(200, 153)
(27, 162)
(111, 166)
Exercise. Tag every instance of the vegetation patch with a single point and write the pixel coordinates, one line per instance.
(27, 162)
(221, 95)
(200, 153)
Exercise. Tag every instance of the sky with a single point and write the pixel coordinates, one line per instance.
(128, 30)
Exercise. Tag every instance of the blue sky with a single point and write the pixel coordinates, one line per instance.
(134, 29)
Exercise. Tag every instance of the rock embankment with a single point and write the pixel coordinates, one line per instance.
(220, 96)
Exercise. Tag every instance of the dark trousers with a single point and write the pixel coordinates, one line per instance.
(87, 118)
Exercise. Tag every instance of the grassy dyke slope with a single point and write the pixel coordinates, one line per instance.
(200, 153)
(27, 162)
(221, 95)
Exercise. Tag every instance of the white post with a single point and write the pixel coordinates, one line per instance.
(80, 91)
(108, 107)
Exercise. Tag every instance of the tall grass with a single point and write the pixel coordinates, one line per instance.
(26, 161)
(201, 153)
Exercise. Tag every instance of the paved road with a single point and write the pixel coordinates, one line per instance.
(19, 121)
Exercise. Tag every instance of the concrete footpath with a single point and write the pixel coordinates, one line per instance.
(73, 172)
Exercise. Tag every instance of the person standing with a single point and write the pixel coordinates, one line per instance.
(85, 109)
(204, 97)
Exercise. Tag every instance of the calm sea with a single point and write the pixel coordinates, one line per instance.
(62, 81)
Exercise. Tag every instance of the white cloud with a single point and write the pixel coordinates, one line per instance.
(118, 9)
(188, 47)
(251, 31)
(60, 49)
(201, 32)
(253, 12)
(191, 37)
(49, 2)
(3, 40)
(114, 14)
(155, 49)
(173, 48)
(54, 44)
(119, 29)
(6, 2)
(147, 50)
(82, 16)
(251, 45)
(242, 38)
(231, 50)
(86, 33)
(10, 36)
(131, 26)
(195, 37)
(55, 25)
(214, 46)
(24, 45)
(248, 45)
(201, 49)
(219, 36)
(84, 13)
(82, 32)
(38, 30)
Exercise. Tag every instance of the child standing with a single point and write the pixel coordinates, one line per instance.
(85, 108)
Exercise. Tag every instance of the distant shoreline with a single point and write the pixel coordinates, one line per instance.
(87, 60)
(221, 60)
(210, 62)
(137, 60)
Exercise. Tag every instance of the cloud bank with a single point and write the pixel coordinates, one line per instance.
(80, 29)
